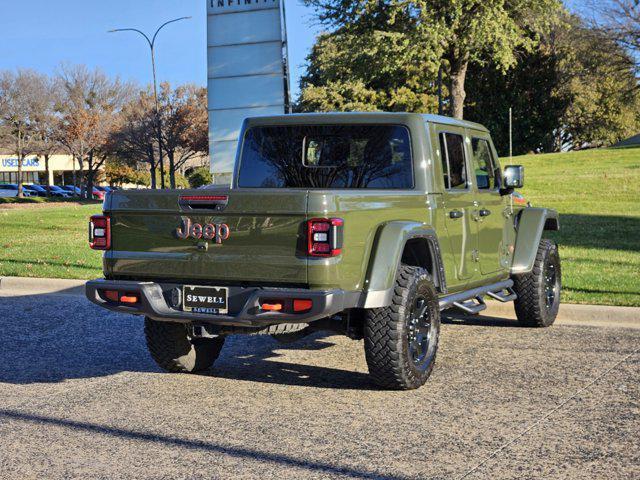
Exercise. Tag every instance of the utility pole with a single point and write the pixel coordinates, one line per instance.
(510, 133)
(440, 100)
(152, 45)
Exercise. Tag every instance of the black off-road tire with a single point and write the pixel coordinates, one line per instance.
(174, 349)
(533, 307)
(387, 332)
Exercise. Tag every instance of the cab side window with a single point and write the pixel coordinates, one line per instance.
(486, 170)
(453, 161)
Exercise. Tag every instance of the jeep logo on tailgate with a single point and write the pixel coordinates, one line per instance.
(210, 231)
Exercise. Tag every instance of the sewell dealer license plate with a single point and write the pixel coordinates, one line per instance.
(213, 300)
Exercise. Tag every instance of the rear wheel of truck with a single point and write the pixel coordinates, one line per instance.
(175, 350)
(539, 291)
(401, 341)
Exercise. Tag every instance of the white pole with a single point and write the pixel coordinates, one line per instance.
(510, 133)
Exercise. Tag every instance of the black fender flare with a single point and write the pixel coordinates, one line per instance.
(389, 245)
(531, 223)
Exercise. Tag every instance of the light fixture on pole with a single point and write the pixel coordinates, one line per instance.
(152, 45)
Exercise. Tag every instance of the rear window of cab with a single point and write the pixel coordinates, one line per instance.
(327, 157)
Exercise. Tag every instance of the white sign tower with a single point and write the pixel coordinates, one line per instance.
(248, 75)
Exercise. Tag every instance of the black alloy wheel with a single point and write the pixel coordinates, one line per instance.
(419, 333)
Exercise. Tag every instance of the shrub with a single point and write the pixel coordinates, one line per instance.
(200, 177)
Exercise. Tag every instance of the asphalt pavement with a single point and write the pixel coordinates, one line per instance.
(81, 398)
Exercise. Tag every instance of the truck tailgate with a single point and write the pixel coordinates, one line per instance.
(263, 244)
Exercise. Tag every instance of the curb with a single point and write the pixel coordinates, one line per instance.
(42, 286)
(596, 315)
(574, 312)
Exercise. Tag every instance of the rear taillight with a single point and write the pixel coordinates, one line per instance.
(100, 232)
(111, 295)
(325, 237)
(302, 305)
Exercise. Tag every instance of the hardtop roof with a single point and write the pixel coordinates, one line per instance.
(453, 121)
(316, 117)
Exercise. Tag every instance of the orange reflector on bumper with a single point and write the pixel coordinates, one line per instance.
(271, 307)
(129, 298)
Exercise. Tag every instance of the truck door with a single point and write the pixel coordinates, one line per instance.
(458, 199)
(489, 216)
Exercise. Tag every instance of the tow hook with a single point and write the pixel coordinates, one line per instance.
(201, 331)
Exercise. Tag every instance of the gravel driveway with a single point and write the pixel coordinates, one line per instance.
(80, 398)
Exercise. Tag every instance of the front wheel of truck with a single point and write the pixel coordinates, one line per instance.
(401, 340)
(539, 291)
(175, 350)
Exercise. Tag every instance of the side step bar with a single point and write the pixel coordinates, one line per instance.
(461, 299)
(510, 295)
(473, 306)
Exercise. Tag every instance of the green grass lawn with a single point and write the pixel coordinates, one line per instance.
(596, 192)
(49, 242)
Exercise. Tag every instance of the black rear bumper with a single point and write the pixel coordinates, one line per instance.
(158, 301)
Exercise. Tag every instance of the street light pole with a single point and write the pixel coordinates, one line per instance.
(152, 47)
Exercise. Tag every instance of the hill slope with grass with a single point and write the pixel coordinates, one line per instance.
(597, 193)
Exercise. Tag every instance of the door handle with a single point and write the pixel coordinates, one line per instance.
(455, 214)
(485, 213)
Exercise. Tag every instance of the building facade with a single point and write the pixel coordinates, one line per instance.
(60, 170)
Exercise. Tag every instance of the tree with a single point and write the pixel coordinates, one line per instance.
(136, 138)
(483, 31)
(577, 89)
(532, 90)
(620, 20)
(46, 123)
(184, 120)
(181, 181)
(89, 113)
(21, 101)
(600, 80)
(184, 125)
(375, 58)
(457, 33)
(118, 172)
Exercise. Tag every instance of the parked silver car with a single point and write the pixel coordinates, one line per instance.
(11, 190)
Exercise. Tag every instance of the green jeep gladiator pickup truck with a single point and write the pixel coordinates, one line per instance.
(366, 224)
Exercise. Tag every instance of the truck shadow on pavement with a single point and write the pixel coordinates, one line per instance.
(253, 359)
(54, 338)
(195, 445)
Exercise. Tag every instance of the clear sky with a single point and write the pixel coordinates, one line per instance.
(40, 34)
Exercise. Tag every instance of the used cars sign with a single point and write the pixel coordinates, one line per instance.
(13, 163)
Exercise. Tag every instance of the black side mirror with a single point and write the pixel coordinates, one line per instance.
(513, 176)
